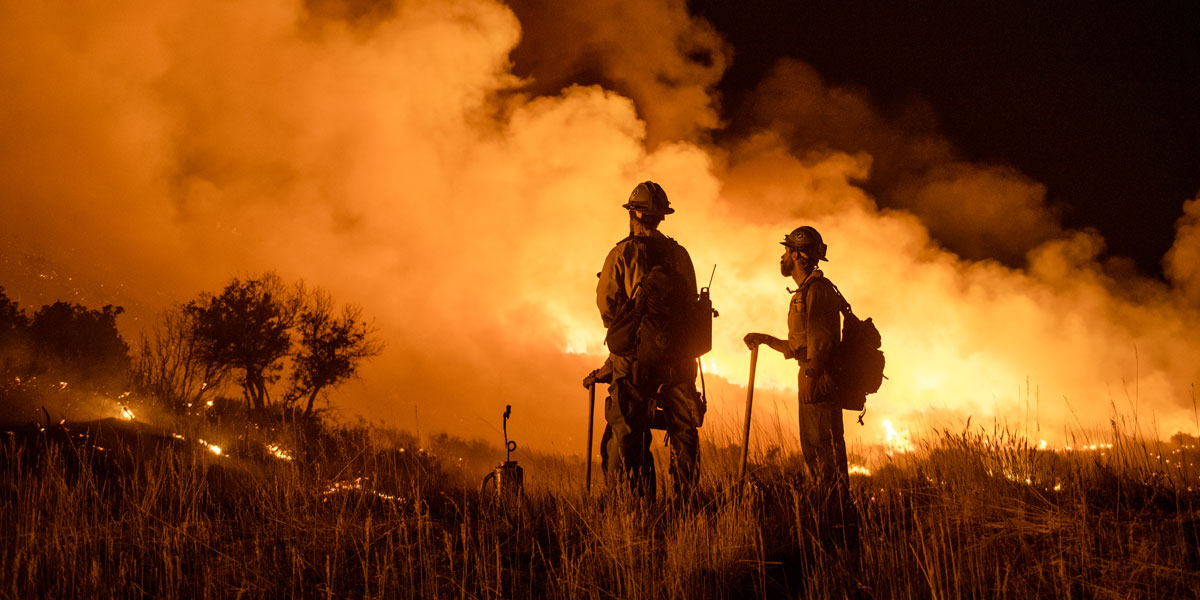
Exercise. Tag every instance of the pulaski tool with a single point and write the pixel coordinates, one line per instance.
(749, 404)
(591, 429)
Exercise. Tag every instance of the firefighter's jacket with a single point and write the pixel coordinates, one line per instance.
(624, 268)
(814, 325)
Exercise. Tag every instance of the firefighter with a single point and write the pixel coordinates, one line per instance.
(814, 328)
(645, 284)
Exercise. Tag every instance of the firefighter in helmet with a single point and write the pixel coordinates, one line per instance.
(646, 280)
(814, 328)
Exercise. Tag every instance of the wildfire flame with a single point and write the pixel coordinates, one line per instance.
(279, 452)
(359, 484)
(896, 441)
(215, 449)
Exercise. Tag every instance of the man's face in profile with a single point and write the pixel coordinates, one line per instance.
(786, 262)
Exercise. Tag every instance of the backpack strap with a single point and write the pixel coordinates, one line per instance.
(844, 308)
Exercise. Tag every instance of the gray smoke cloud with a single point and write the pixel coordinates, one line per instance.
(978, 211)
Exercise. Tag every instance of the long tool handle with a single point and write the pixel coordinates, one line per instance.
(591, 417)
(749, 405)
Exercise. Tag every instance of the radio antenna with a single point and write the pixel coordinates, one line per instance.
(713, 274)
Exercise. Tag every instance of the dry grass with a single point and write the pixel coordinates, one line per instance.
(967, 515)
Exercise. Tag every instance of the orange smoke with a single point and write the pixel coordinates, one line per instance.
(392, 157)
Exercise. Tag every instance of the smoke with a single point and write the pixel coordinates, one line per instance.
(655, 53)
(1183, 259)
(976, 210)
(457, 168)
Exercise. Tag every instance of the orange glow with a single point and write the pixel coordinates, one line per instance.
(279, 452)
(402, 167)
(896, 441)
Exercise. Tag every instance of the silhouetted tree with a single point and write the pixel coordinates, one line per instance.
(173, 365)
(247, 328)
(14, 339)
(252, 332)
(81, 345)
(12, 318)
(330, 348)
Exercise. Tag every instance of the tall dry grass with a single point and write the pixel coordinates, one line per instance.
(361, 514)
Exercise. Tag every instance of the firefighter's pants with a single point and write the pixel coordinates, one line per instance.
(629, 410)
(823, 442)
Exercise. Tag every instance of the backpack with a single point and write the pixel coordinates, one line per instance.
(664, 319)
(856, 364)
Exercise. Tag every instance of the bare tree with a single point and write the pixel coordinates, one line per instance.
(172, 365)
(330, 348)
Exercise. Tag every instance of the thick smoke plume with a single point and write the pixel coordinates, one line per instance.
(396, 155)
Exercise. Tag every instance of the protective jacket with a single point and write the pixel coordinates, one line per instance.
(814, 326)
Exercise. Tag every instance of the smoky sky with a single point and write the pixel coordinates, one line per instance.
(1095, 102)
(457, 169)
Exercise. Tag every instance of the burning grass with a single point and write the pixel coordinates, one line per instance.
(358, 512)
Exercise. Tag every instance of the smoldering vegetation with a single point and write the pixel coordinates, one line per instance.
(118, 509)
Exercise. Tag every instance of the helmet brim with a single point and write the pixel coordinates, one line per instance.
(649, 211)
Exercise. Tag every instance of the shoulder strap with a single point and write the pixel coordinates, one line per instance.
(844, 308)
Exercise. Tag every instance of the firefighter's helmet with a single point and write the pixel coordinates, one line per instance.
(807, 240)
(649, 198)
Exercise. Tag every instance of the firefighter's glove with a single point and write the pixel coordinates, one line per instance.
(753, 340)
(602, 375)
(817, 386)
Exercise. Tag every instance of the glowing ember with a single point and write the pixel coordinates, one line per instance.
(215, 449)
(279, 452)
(357, 485)
(859, 470)
(126, 413)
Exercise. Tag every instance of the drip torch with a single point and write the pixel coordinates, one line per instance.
(507, 479)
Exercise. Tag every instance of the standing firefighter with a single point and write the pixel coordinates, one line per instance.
(813, 333)
(646, 294)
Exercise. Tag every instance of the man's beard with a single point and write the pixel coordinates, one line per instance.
(786, 265)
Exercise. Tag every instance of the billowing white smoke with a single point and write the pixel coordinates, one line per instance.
(159, 149)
